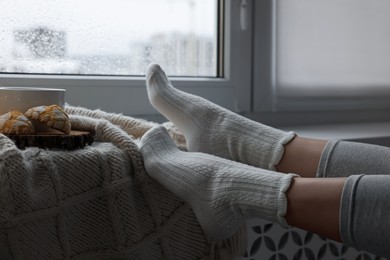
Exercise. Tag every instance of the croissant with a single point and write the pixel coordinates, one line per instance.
(14, 122)
(52, 116)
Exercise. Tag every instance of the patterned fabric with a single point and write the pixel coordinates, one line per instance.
(95, 203)
(269, 241)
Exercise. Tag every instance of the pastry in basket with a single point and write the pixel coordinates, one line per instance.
(52, 116)
(15, 123)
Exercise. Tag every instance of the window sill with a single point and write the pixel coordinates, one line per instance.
(375, 133)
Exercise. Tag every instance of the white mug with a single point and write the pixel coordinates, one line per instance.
(23, 98)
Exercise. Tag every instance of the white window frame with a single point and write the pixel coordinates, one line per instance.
(266, 97)
(128, 95)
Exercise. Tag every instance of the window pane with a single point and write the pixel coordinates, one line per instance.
(333, 43)
(108, 37)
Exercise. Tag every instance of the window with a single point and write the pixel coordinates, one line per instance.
(332, 45)
(98, 50)
(322, 55)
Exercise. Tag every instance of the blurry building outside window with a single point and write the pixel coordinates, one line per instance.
(116, 37)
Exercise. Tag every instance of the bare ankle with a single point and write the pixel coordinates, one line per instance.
(302, 156)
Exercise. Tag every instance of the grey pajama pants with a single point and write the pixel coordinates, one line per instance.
(365, 202)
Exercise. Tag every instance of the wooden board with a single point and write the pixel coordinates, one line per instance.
(54, 140)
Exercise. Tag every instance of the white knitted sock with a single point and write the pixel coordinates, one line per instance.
(212, 129)
(222, 193)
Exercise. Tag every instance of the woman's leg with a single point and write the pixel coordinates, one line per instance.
(222, 191)
(319, 158)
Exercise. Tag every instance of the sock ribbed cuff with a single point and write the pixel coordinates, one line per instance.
(264, 197)
(278, 152)
(282, 200)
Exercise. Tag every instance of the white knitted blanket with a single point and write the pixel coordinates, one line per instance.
(97, 202)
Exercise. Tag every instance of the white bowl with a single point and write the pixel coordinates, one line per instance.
(23, 98)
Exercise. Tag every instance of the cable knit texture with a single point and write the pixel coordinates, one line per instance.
(212, 129)
(222, 193)
(97, 202)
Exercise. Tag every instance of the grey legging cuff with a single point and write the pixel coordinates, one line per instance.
(343, 159)
(365, 207)
(364, 213)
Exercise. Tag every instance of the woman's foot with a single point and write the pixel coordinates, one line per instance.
(222, 193)
(212, 129)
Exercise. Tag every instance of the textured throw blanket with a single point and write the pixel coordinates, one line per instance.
(97, 202)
